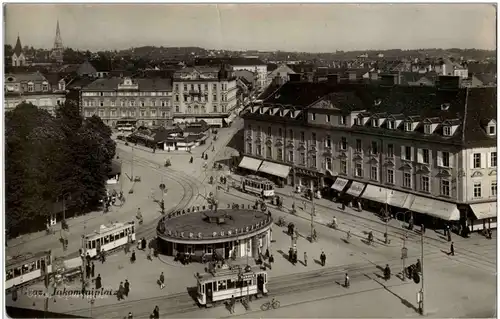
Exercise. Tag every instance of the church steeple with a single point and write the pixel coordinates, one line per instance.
(18, 49)
(58, 49)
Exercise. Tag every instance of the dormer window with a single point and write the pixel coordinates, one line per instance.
(356, 121)
(427, 129)
(375, 122)
(447, 130)
(31, 87)
(492, 130)
(391, 125)
(261, 111)
(313, 116)
(45, 87)
(408, 127)
(343, 119)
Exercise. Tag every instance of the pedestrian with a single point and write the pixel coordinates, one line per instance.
(452, 250)
(304, 204)
(156, 313)
(305, 259)
(323, 259)
(132, 258)
(449, 232)
(119, 294)
(88, 258)
(98, 283)
(347, 282)
(126, 288)
(92, 269)
(233, 303)
(87, 271)
(162, 281)
(422, 228)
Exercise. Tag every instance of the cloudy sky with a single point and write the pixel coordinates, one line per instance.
(293, 27)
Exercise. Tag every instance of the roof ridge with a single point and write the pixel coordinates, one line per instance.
(465, 113)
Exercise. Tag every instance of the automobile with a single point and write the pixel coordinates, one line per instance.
(121, 137)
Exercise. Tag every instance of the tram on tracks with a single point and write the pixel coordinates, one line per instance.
(26, 269)
(221, 284)
(257, 185)
(109, 238)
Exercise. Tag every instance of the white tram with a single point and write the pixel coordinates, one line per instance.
(25, 269)
(223, 283)
(257, 185)
(109, 238)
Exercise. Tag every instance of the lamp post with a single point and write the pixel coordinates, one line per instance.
(64, 204)
(421, 308)
(313, 211)
(132, 165)
(162, 188)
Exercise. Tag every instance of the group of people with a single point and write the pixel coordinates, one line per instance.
(123, 290)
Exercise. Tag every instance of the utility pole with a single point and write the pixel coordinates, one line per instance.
(132, 166)
(294, 187)
(313, 211)
(386, 222)
(404, 255)
(84, 260)
(422, 312)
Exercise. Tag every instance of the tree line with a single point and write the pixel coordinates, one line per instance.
(50, 157)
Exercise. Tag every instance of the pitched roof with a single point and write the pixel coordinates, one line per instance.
(111, 84)
(18, 49)
(27, 77)
(86, 69)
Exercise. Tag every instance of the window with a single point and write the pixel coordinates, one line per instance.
(215, 108)
(329, 163)
(143, 104)
(280, 132)
(112, 103)
(374, 173)
(31, 87)
(358, 171)
(328, 118)
(374, 149)
(132, 103)
(493, 159)
(356, 121)
(342, 119)
(491, 130)
(206, 87)
(214, 86)
(477, 190)
(313, 161)
(427, 129)
(185, 87)
(290, 156)
(343, 143)
(269, 153)
(424, 187)
(215, 97)
(407, 153)
(390, 150)
(477, 160)
(446, 159)
(445, 187)
(407, 180)
(426, 156)
(408, 127)
(269, 131)
(290, 134)
(328, 142)
(313, 139)
(249, 148)
(494, 188)
(391, 125)
(390, 176)
(177, 87)
(45, 87)
(302, 137)
(358, 146)
(447, 131)
(375, 122)
(313, 116)
(176, 98)
(343, 167)
(259, 150)
(302, 158)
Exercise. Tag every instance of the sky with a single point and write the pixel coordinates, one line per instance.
(265, 27)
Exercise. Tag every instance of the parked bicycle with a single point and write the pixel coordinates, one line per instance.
(275, 304)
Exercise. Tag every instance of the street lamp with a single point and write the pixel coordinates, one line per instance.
(64, 204)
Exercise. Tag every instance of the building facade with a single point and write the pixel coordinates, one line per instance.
(204, 93)
(439, 146)
(33, 88)
(148, 102)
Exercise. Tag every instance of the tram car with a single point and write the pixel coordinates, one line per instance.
(257, 185)
(28, 268)
(109, 238)
(221, 284)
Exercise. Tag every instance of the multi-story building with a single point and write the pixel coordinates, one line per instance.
(426, 150)
(33, 88)
(204, 93)
(144, 101)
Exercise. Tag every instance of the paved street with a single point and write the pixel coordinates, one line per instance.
(457, 286)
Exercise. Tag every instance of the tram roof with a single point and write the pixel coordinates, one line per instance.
(224, 274)
(257, 178)
(104, 230)
(27, 257)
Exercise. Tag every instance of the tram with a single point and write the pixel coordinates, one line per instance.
(221, 284)
(257, 185)
(28, 268)
(109, 238)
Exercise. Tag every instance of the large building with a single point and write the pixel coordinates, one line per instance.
(34, 88)
(147, 102)
(204, 93)
(427, 150)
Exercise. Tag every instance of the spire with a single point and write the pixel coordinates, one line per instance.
(58, 49)
(18, 49)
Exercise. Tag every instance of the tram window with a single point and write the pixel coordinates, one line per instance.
(117, 236)
(17, 271)
(93, 244)
(122, 234)
(33, 266)
(25, 268)
(133, 230)
(38, 264)
(10, 274)
(48, 260)
(111, 238)
(106, 239)
(231, 284)
(221, 285)
(214, 284)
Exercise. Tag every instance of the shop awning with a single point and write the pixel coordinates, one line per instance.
(356, 189)
(436, 208)
(275, 169)
(484, 210)
(230, 118)
(376, 193)
(250, 163)
(339, 184)
(399, 199)
(211, 121)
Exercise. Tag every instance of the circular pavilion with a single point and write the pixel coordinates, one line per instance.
(228, 233)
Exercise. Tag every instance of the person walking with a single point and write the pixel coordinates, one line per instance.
(132, 258)
(98, 283)
(347, 282)
(126, 288)
(233, 303)
(92, 270)
(87, 271)
(119, 294)
(305, 259)
(323, 259)
(156, 313)
(452, 249)
(162, 280)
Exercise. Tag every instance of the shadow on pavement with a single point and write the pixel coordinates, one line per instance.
(193, 293)
(403, 301)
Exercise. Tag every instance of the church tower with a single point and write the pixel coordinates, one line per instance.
(58, 49)
(18, 58)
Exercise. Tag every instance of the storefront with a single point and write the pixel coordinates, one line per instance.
(251, 164)
(485, 216)
(278, 172)
(375, 198)
(339, 186)
(355, 191)
(442, 210)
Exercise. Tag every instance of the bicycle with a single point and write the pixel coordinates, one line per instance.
(275, 304)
